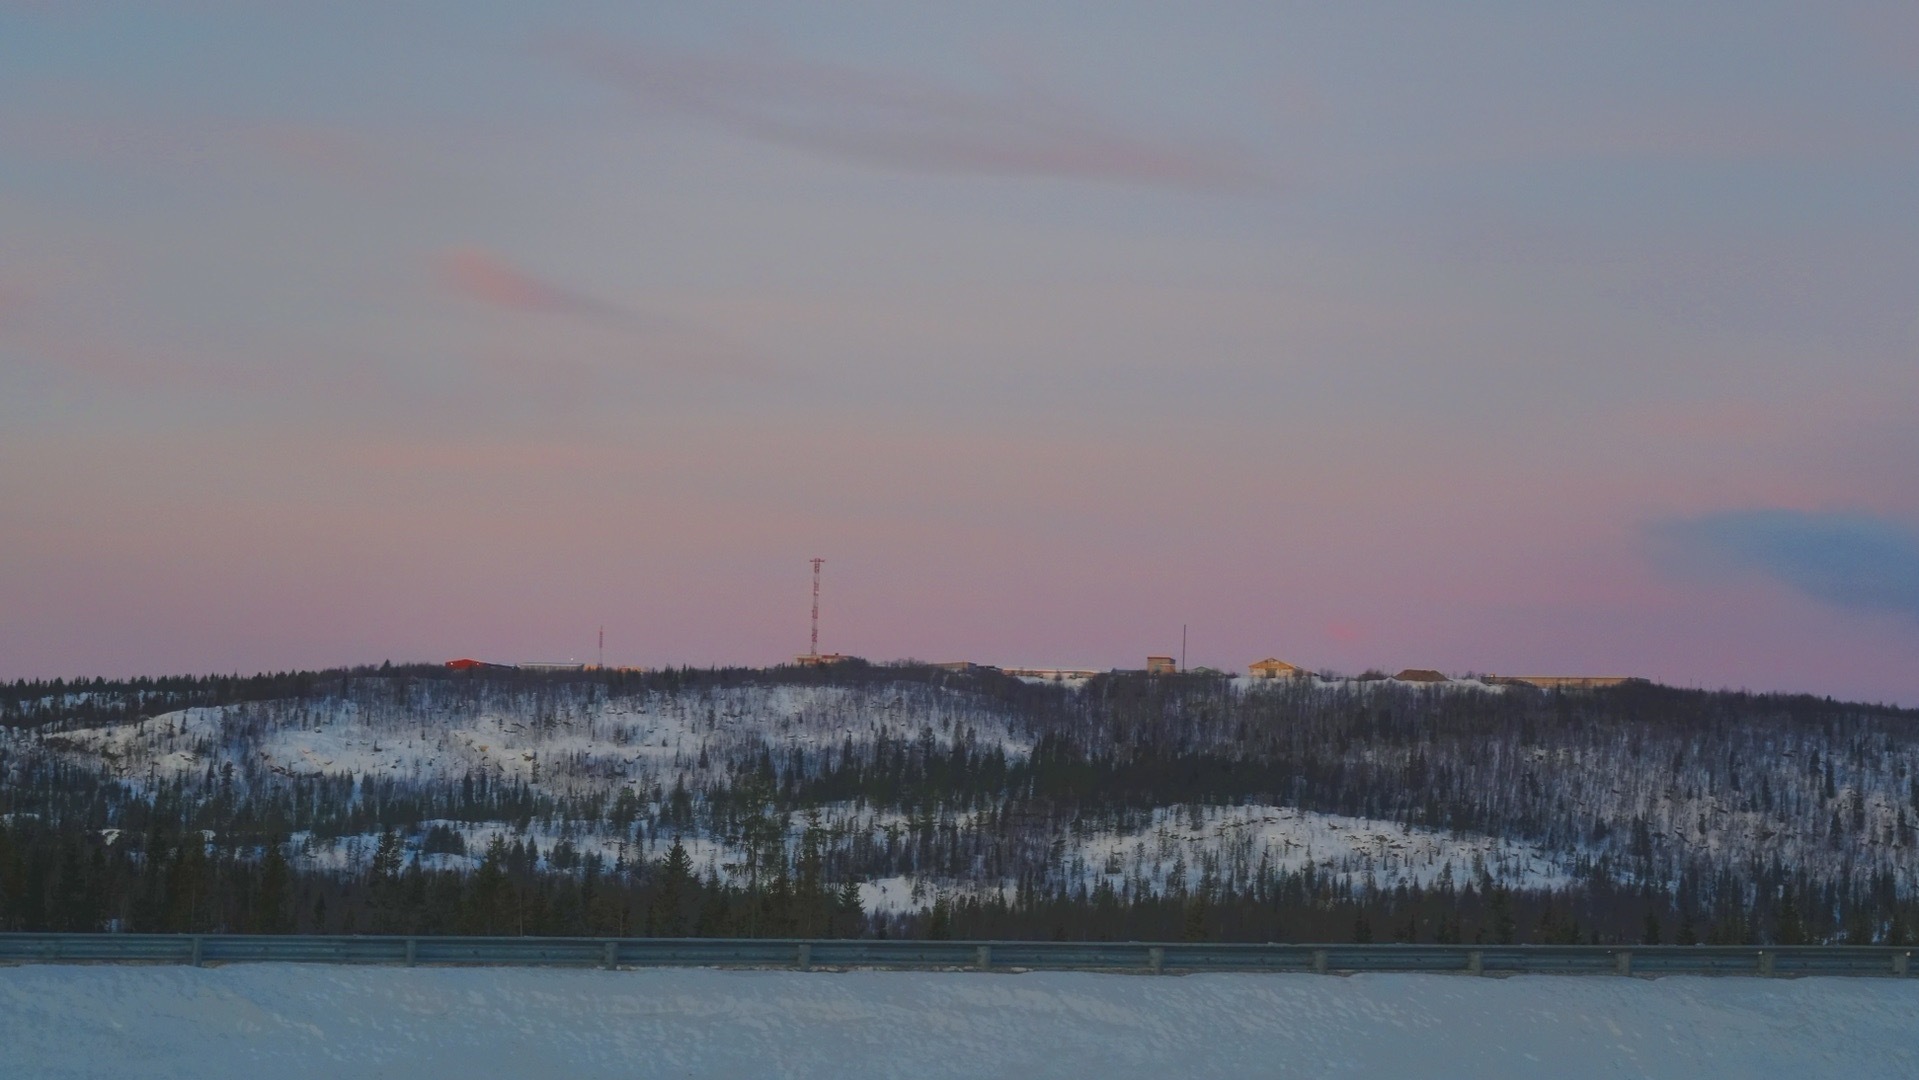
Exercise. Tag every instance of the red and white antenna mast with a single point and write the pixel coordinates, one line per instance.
(815, 650)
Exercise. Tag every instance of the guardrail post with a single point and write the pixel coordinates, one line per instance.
(985, 957)
(805, 959)
(197, 948)
(1475, 962)
(1765, 963)
(1156, 959)
(1901, 963)
(1623, 961)
(610, 955)
(1319, 961)
(412, 952)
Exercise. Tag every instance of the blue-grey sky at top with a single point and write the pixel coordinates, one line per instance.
(1382, 334)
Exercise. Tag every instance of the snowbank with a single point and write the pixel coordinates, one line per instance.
(291, 1021)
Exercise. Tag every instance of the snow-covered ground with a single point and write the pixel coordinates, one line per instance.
(567, 744)
(1628, 802)
(288, 1021)
(1179, 848)
(1234, 844)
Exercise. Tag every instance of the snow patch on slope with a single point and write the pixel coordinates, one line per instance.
(1182, 848)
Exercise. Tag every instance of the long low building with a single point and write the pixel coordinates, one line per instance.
(1564, 682)
(1049, 673)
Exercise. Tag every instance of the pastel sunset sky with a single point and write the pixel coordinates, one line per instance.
(1494, 337)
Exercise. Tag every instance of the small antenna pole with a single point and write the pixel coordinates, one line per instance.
(602, 647)
(814, 650)
(1182, 646)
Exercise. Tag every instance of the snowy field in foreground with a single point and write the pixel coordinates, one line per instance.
(313, 1021)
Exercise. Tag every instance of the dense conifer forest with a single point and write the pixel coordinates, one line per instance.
(909, 801)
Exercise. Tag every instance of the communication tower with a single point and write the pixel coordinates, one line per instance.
(813, 657)
(814, 646)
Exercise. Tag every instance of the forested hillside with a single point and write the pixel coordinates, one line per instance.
(908, 800)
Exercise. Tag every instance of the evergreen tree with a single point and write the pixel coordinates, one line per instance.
(1788, 928)
(1505, 927)
(849, 914)
(667, 915)
(383, 883)
(270, 902)
(489, 909)
(12, 880)
(186, 884)
(1688, 934)
(939, 924)
(714, 918)
(1194, 927)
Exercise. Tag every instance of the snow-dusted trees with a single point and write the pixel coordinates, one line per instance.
(861, 798)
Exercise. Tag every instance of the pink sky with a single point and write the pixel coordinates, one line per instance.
(1361, 343)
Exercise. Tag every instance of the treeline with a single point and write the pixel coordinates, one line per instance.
(89, 702)
(178, 883)
(53, 880)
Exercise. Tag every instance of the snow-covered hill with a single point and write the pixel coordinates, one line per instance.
(921, 784)
(569, 740)
(579, 741)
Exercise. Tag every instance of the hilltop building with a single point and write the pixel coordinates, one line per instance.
(1274, 668)
(1050, 674)
(1161, 665)
(1563, 682)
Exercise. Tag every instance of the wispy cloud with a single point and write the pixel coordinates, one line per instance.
(657, 343)
(1853, 561)
(489, 279)
(912, 122)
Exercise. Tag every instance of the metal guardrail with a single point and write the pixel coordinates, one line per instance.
(1148, 957)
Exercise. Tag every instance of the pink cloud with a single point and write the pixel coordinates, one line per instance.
(1344, 632)
(482, 276)
(912, 122)
(639, 339)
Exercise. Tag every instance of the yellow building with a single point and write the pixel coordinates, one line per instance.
(1274, 668)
